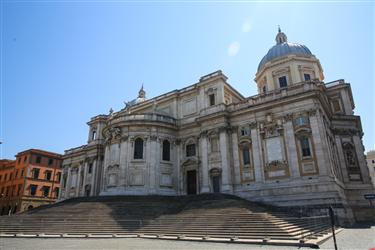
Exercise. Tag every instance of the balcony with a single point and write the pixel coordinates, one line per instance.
(291, 90)
(151, 117)
(213, 109)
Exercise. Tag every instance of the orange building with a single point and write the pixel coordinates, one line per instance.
(33, 179)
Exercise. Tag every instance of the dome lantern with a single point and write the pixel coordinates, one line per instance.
(281, 37)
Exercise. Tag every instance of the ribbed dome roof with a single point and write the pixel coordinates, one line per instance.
(283, 48)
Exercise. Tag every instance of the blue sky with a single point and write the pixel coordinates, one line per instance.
(63, 62)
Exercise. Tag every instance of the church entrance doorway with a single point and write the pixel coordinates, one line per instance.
(191, 180)
(216, 184)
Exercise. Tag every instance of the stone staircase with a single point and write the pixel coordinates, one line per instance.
(214, 217)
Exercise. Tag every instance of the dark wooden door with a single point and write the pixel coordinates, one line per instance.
(191, 177)
(216, 184)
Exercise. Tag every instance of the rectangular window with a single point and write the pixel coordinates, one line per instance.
(33, 189)
(283, 82)
(38, 159)
(245, 131)
(166, 150)
(264, 89)
(19, 189)
(212, 99)
(307, 77)
(5, 177)
(48, 175)
(57, 191)
(25, 159)
(7, 192)
(35, 173)
(336, 105)
(90, 168)
(50, 162)
(373, 161)
(15, 176)
(19, 160)
(305, 147)
(1, 177)
(22, 172)
(246, 155)
(138, 149)
(190, 150)
(301, 121)
(45, 191)
(10, 176)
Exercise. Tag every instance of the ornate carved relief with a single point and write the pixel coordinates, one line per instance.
(253, 125)
(347, 132)
(153, 137)
(111, 133)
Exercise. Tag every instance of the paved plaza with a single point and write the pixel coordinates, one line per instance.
(350, 239)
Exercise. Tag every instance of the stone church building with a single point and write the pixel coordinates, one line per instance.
(297, 142)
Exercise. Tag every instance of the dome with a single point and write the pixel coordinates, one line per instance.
(284, 48)
(141, 98)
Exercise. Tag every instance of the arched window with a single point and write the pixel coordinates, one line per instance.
(305, 146)
(246, 155)
(93, 137)
(138, 149)
(166, 150)
(190, 150)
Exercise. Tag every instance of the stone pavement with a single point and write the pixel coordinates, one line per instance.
(348, 239)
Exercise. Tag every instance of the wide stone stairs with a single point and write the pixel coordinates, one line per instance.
(202, 217)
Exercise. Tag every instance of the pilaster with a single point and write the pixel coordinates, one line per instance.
(291, 148)
(225, 164)
(257, 153)
(204, 154)
(236, 160)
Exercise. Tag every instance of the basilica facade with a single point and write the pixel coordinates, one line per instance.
(296, 143)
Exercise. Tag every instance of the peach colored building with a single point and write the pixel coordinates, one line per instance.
(33, 179)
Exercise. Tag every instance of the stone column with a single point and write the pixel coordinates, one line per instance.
(236, 160)
(123, 162)
(103, 177)
(129, 159)
(93, 177)
(83, 191)
(204, 156)
(177, 167)
(361, 159)
(291, 148)
(78, 182)
(225, 164)
(257, 153)
(320, 144)
(68, 182)
(149, 168)
(152, 162)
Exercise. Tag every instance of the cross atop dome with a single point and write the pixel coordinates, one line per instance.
(281, 37)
